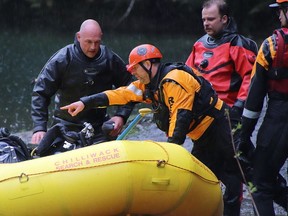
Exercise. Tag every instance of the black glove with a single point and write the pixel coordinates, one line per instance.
(235, 114)
(107, 127)
(246, 150)
(175, 140)
(248, 126)
(246, 146)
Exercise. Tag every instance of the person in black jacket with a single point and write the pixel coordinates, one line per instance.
(83, 68)
(269, 80)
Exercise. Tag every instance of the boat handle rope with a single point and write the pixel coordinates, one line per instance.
(24, 177)
(161, 163)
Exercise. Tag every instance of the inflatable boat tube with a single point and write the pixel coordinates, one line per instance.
(111, 178)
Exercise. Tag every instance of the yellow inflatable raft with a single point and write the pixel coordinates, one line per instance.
(112, 178)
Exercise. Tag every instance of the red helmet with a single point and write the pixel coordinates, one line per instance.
(279, 3)
(141, 53)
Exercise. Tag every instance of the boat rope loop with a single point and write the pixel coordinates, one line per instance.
(23, 178)
(161, 163)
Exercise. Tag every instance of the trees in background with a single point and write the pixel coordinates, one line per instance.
(158, 16)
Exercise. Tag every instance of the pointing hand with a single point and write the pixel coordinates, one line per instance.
(74, 108)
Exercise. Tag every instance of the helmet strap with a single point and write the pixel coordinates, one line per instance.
(284, 12)
(149, 71)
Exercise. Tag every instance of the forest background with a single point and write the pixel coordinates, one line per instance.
(32, 30)
(133, 16)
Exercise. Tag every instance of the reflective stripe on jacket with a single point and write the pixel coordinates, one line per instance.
(266, 79)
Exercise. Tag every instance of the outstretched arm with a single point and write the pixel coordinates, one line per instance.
(87, 102)
(74, 108)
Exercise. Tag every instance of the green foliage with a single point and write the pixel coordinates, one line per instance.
(154, 16)
(238, 127)
(252, 188)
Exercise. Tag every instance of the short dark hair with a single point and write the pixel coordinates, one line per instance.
(221, 4)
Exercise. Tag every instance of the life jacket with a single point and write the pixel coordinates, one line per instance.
(280, 62)
(278, 74)
(202, 103)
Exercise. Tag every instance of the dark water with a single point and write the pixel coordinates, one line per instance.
(23, 54)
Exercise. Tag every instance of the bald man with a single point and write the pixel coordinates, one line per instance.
(83, 68)
(89, 37)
